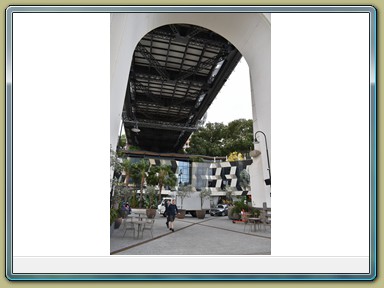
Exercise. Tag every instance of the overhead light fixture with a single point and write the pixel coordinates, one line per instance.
(135, 129)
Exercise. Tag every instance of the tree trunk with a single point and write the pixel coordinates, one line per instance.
(141, 192)
(160, 188)
(126, 180)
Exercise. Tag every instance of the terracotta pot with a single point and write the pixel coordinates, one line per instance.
(181, 214)
(151, 213)
(118, 222)
(200, 214)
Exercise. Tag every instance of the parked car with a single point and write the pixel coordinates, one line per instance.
(220, 210)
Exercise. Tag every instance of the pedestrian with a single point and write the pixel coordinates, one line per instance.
(172, 212)
(126, 210)
(166, 204)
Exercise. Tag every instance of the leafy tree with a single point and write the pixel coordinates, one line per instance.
(217, 139)
(208, 140)
(239, 136)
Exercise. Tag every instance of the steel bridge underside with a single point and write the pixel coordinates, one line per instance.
(176, 72)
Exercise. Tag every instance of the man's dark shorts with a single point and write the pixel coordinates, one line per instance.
(171, 218)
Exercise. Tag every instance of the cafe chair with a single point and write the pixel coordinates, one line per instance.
(244, 219)
(265, 220)
(148, 226)
(129, 225)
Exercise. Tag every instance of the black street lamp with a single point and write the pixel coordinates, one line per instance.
(267, 181)
(181, 173)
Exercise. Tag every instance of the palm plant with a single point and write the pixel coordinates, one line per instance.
(161, 176)
(139, 173)
(126, 167)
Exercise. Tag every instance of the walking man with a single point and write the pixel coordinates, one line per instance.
(166, 204)
(172, 212)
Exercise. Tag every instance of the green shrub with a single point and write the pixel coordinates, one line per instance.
(241, 205)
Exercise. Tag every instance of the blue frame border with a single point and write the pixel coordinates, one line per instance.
(191, 9)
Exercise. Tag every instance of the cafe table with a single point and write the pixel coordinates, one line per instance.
(254, 221)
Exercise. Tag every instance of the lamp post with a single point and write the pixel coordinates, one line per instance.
(181, 173)
(267, 181)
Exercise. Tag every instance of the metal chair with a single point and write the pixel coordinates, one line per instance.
(265, 220)
(148, 226)
(244, 219)
(128, 225)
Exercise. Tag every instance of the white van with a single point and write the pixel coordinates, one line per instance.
(161, 206)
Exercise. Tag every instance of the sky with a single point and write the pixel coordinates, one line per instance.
(234, 99)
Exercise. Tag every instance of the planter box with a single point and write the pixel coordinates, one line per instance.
(200, 214)
(151, 213)
(181, 214)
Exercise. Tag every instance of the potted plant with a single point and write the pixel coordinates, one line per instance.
(183, 193)
(117, 215)
(113, 217)
(150, 202)
(115, 192)
(234, 213)
(200, 214)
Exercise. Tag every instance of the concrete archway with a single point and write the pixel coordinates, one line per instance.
(249, 32)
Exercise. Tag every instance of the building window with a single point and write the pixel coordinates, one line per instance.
(183, 173)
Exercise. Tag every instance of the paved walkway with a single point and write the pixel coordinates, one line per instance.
(214, 235)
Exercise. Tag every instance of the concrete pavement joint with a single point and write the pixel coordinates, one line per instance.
(189, 223)
(149, 240)
(234, 231)
(207, 220)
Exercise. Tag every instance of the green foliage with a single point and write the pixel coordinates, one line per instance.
(114, 214)
(133, 201)
(139, 174)
(121, 193)
(126, 167)
(122, 141)
(241, 205)
(150, 197)
(133, 148)
(114, 162)
(196, 159)
(162, 176)
(217, 139)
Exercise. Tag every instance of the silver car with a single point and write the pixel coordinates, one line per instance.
(220, 210)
